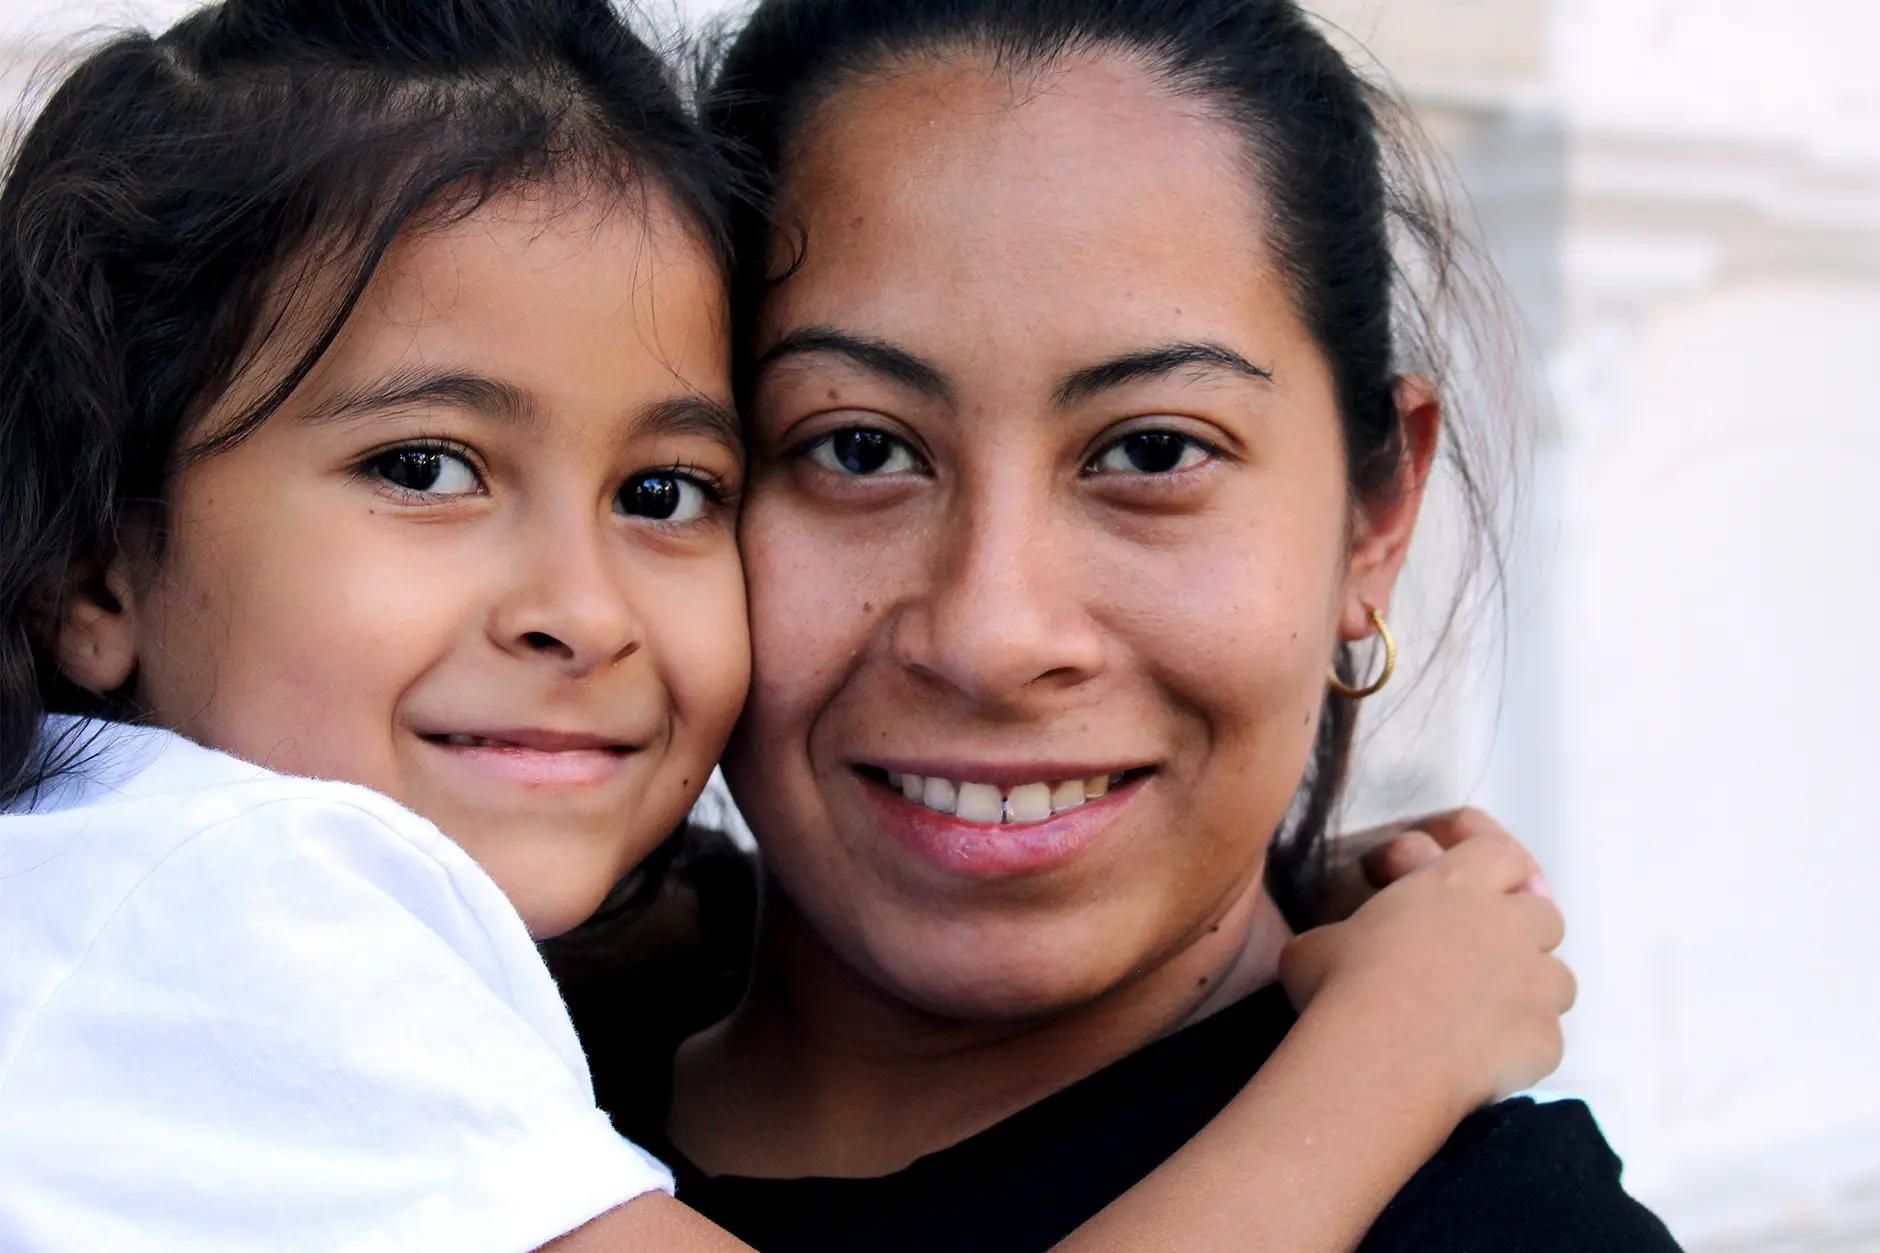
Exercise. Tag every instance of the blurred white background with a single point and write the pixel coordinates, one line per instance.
(1684, 199)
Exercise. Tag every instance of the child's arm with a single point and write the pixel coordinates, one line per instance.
(1437, 996)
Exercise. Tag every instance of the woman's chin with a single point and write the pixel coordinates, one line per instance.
(969, 973)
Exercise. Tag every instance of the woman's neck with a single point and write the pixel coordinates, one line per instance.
(822, 1073)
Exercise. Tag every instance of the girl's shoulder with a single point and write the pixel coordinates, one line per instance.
(100, 774)
(289, 992)
(191, 864)
(136, 802)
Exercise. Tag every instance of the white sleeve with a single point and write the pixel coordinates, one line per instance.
(307, 1027)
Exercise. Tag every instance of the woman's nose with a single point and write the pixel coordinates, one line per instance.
(569, 604)
(999, 616)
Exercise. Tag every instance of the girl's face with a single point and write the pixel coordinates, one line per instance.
(483, 561)
(1048, 499)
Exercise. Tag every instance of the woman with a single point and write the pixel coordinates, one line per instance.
(1080, 450)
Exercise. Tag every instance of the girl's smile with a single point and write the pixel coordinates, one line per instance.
(483, 559)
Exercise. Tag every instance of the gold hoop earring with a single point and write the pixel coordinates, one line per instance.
(1390, 662)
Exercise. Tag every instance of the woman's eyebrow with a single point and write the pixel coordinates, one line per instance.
(403, 389)
(877, 356)
(1131, 367)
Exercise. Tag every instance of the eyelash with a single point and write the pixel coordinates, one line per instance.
(806, 449)
(432, 444)
(1210, 450)
(718, 495)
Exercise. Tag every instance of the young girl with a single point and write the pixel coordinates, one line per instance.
(369, 607)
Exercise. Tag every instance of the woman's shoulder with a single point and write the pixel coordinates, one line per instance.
(1521, 1175)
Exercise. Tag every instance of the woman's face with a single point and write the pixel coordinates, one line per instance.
(1048, 536)
(482, 560)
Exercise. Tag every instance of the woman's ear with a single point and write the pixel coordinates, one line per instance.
(1386, 519)
(94, 621)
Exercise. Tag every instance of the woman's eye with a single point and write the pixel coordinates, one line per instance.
(663, 496)
(1151, 452)
(425, 471)
(858, 450)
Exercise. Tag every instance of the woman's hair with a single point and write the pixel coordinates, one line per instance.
(1360, 233)
(180, 195)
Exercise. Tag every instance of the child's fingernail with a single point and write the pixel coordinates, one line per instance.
(1537, 884)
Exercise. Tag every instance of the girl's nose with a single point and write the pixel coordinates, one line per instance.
(569, 605)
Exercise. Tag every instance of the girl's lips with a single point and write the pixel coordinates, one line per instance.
(978, 850)
(535, 767)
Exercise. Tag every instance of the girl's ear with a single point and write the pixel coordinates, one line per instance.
(1385, 523)
(94, 623)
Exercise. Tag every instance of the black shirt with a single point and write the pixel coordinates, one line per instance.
(1515, 1178)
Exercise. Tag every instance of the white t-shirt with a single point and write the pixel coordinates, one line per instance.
(245, 1011)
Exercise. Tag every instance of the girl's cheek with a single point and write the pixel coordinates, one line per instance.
(700, 626)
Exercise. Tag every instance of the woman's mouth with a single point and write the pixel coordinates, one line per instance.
(986, 829)
(990, 803)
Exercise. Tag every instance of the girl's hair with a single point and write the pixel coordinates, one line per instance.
(180, 194)
(1357, 224)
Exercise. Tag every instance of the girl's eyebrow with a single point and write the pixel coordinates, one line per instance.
(403, 389)
(688, 414)
(692, 414)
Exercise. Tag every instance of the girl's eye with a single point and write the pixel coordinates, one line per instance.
(664, 496)
(1151, 452)
(425, 471)
(859, 450)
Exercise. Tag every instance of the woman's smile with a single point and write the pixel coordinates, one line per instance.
(967, 822)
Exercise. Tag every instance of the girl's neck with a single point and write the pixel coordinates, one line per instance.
(820, 1073)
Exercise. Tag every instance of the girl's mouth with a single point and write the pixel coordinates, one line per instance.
(535, 758)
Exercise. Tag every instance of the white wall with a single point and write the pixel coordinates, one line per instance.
(1686, 199)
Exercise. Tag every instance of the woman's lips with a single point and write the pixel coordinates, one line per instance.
(998, 849)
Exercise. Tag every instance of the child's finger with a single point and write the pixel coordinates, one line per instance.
(1565, 986)
(1541, 920)
(1397, 857)
(1452, 827)
(1493, 860)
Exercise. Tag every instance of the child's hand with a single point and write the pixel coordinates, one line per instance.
(1370, 860)
(1452, 963)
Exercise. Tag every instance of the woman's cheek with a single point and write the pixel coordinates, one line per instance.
(1236, 617)
(814, 596)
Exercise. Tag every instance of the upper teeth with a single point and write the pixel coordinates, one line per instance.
(473, 741)
(985, 802)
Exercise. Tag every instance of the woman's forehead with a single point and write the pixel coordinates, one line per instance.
(973, 145)
(939, 212)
